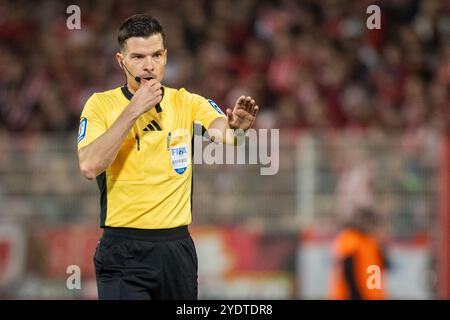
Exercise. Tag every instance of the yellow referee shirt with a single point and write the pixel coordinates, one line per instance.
(148, 186)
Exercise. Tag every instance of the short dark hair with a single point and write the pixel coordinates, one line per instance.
(139, 25)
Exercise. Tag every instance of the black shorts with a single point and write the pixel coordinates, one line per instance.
(146, 264)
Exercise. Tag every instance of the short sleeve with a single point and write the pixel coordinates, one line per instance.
(92, 125)
(204, 111)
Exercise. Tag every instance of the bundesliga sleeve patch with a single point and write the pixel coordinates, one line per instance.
(215, 106)
(82, 129)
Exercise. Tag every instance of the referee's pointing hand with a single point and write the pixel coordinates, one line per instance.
(243, 115)
(147, 96)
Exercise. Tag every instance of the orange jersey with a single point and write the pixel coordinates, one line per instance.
(367, 257)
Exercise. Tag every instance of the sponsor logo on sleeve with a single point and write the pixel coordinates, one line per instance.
(82, 129)
(215, 106)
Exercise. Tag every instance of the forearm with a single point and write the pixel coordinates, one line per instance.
(220, 131)
(100, 154)
(229, 136)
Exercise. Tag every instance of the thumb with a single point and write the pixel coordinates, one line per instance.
(229, 115)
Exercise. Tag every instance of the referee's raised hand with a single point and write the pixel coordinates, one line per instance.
(243, 115)
(147, 96)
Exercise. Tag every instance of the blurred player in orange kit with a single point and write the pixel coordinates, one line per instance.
(359, 260)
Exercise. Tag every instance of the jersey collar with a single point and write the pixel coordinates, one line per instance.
(127, 93)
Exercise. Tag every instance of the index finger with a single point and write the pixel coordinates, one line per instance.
(240, 100)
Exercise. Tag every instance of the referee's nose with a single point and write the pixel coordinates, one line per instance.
(149, 65)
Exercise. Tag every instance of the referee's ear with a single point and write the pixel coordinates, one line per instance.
(119, 58)
(166, 53)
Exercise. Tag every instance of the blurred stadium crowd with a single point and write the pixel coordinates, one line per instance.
(309, 64)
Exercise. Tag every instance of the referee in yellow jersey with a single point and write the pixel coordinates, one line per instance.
(136, 141)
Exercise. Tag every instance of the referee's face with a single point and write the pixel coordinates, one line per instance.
(144, 57)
